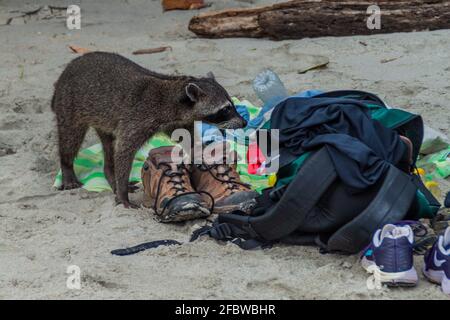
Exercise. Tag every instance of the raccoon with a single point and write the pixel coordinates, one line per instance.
(127, 104)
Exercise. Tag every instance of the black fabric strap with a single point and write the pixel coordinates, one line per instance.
(223, 231)
(144, 246)
(390, 205)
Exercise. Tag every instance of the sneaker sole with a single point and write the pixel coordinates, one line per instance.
(407, 278)
(437, 277)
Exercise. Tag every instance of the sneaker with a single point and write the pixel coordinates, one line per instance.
(168, 190)
(221, 180)
(390, 256)
(437, 262)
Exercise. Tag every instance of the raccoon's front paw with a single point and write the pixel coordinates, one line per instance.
(127, 204)
(131, 205)
(70, 185)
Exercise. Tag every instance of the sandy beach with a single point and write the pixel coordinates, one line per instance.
(43, 231)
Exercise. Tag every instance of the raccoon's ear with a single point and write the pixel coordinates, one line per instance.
(210, 75)
(193, 92)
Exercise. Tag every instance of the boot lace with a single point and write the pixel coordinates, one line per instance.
(178, 187)
(175, 177)
(221, 172)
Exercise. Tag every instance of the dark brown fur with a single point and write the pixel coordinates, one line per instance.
(126, 104)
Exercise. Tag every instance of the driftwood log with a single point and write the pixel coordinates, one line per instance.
(317, 18)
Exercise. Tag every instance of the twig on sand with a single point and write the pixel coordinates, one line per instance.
(57, 8)
(25, 14)
(319, 65)
(22, 15)
(388, 60)
(152, 50)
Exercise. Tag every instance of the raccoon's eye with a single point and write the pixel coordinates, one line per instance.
(226, 110)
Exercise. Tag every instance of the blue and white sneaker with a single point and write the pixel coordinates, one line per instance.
(390, 256)
(437, 262)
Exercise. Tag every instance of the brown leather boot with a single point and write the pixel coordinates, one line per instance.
(168, 189)
(223, 183)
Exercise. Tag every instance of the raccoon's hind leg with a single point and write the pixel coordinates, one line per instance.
(108, 141)
(124, 150)
(70, 139)
(108, 153)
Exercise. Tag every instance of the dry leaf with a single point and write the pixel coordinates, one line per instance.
(80, 50)
(182, 4)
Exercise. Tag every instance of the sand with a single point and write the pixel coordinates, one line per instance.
(43, 231)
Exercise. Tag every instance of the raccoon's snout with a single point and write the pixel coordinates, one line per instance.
(234, 123)
(243, 123)
(227, 118)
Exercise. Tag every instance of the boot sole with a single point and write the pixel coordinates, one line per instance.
(190, 211)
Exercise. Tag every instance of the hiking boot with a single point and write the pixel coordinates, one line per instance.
(223, 183)
(168, 189)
